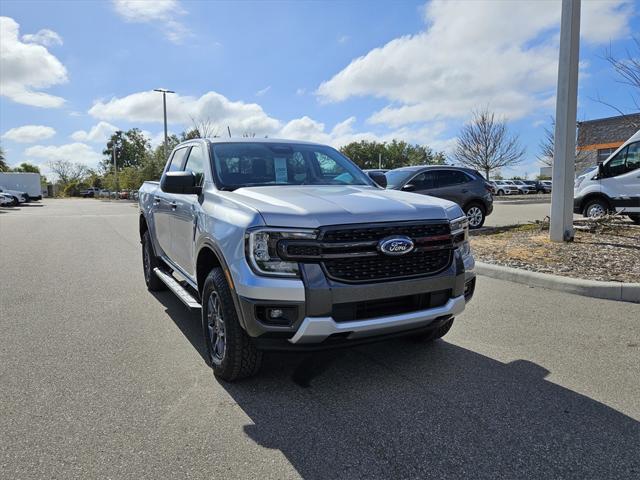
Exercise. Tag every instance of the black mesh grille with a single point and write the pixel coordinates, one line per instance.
(380, 267)
(372, 233)
(304, 250)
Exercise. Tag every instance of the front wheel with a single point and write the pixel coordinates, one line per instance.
(476, 215)
(595, 208)
(635, 218)
(500, 193)
(230, 352)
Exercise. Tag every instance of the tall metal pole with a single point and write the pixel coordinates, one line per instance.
(115, 168)
(561, 228)
(164, 92)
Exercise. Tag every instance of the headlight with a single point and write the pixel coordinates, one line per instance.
(261, 250)
(460, 234)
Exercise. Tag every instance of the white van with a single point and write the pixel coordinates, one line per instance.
(612, 186)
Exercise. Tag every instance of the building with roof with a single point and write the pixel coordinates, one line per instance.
(599, 138)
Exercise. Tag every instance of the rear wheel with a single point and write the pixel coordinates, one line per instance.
(230, 351)
(149, 263)
(595, 208)
(475, 214)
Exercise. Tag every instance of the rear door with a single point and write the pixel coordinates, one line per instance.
(452, 185)
(163, 206)
(621, 181)
(185, 214)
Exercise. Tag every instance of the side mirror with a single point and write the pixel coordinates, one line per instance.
(409, 187)
(600, 170)
(180, 182)
(380, 178)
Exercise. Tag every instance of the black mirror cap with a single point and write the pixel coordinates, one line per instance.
(180, 182)
(380, 178)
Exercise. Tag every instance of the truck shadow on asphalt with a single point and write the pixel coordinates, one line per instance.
(404, 409)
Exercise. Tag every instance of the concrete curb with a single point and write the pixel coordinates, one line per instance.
(626, 292)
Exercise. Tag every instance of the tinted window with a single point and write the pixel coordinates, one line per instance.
(176, 160)
(395, 178)
(195, 163)
(423, 181)
(259, 164)
(451, 177)
(617, 165)
(633, 156)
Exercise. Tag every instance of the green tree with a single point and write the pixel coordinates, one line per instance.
(131, 148)
(397, 153)
(26, 167)
(3, 163)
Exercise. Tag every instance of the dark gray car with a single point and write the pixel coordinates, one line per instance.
(465, 186)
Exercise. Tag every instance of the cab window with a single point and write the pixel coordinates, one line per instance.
(195, 163)
(176, 160)
(625, 161)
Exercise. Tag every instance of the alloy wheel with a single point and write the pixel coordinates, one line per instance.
(216, 329)
(474, 215)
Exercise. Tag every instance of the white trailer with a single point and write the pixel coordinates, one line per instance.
(23, 182)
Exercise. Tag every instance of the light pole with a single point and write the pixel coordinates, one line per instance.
(561, 228)
(164, 92)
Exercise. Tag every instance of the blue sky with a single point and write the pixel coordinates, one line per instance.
(332, 72)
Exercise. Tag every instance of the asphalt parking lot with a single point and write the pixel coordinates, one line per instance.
(100, 378)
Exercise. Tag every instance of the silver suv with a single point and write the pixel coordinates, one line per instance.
(290, 246)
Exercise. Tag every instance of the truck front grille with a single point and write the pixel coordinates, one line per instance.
(383, 267)
(350, 253)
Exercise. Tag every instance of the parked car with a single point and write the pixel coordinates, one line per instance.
(465, 186)
(539, 186)
(547, 185)
(123, 194)
(90, 192)
(524, 188)
(289, 245)
(613, 186)
(27, 183)
(504, 187)
(18, 197)
(7, 200)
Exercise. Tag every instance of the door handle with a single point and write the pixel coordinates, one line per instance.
(157, 200)
(174, 205)
(464, 190)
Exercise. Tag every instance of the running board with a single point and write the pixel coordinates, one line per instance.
(178, 289)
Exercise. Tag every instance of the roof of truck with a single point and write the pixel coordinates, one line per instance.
(257, 140)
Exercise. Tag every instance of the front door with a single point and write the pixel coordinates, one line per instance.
(164, 206)
(621, 179)
(185, 215)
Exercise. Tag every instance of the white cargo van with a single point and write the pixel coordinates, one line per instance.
(23, 182)
(613, 186)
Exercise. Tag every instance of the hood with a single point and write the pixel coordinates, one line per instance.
(314, 206)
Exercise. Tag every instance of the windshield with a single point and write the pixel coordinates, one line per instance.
(395, 178)
(240, 165)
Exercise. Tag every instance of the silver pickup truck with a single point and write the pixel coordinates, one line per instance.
(288, 245)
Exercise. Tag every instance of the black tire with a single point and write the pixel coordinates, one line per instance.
(592, 207)
(230, 352)
(436, 333)
(476, 214)
(16, 202)
(635, 218)
(149, 262)
(500, 193)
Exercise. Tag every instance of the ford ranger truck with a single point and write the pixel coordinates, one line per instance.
(287, 245)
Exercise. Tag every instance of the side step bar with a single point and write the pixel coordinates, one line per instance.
(176, 288)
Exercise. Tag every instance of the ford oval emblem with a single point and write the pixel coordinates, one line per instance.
(396, 245)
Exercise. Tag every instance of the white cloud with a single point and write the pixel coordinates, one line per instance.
(605, 20)
(162, 12)
(29, 133)
(260, 93)
(241, 117)
(74, 152)
(98, 133)
(27, 68)
(502, 54)
(45, 37)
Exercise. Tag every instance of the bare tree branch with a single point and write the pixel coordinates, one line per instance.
(485, 144)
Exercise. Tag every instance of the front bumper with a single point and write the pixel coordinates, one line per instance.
(318, 329)
(314, 326)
